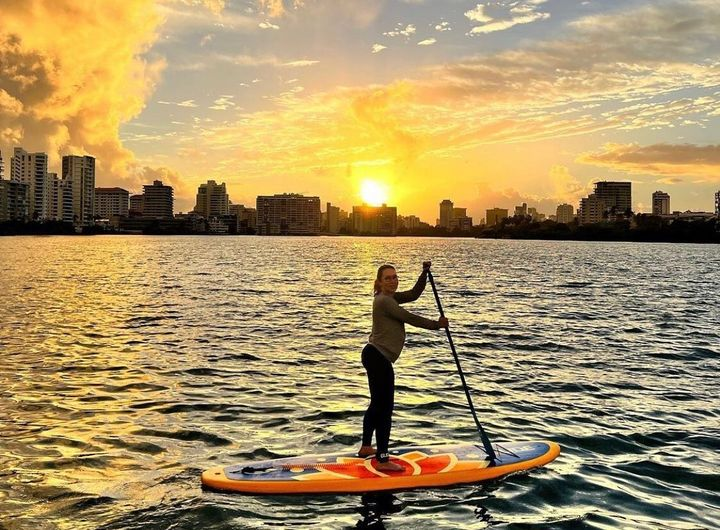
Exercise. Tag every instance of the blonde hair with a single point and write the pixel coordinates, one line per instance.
(377, 286)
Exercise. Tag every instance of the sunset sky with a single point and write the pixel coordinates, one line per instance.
(487, 104)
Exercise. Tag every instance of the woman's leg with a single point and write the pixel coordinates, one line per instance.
(378, 417)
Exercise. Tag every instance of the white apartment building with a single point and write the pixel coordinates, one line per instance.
(110, 202)
(31, 169)
(80, 170)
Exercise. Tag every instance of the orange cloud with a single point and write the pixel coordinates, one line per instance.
(72, 72)
(667, 160)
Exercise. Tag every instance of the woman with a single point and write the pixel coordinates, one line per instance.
(383, 349)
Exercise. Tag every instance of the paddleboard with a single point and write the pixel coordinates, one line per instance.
(423, 467)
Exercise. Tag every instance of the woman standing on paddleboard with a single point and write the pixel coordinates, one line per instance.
(383, 349)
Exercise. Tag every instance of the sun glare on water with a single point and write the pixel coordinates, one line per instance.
(373, 193)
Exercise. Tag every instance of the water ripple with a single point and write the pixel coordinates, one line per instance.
(133, 363)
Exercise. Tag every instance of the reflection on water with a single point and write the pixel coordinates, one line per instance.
(132, 363)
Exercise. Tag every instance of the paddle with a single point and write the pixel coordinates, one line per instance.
(483, 437)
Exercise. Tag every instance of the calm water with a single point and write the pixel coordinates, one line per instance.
(130, 364)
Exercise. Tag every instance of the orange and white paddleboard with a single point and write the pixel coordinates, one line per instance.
(423, 467)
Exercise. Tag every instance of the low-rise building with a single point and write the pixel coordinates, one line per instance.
(288, 214)
(110, 202)
(375, 220)
(495, 216)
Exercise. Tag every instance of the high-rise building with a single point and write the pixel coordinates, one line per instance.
(522, 210)
(495, 216)
(610, 199)
(157, 201)
(110, 202)
(212, 200)
(460, 220)
(137, 205)
(288, 214)
(446, 213)
(375, 220)
(717, 204)
(591, 210)
(14, 200)
(31, 169)
(564, 213)
(80, 170)
(617, 196)
(2, 167)
(61, 204)
(660, 203)
(332, 215)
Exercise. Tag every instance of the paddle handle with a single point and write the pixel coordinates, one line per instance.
(483, 436)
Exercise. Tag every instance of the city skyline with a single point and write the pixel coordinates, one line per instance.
(491, 104)
(212, 199)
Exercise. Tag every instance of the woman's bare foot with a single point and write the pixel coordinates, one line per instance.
(365, 451)
(388, 466)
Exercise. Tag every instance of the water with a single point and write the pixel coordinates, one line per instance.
(130, 364)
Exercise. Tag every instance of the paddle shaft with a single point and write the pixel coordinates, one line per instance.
(483, 437)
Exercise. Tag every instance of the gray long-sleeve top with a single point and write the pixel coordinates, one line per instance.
(388, 329)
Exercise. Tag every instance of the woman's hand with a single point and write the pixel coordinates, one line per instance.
(444, 322)
(426, 266)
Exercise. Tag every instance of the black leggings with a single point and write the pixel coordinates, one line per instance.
(378, 417)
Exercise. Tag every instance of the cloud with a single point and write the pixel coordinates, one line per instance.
(276, 8)
(522, 12)
(585, 82)
(478, 14)
(300, 64)
(443, 26)
(67, 89)
(427, 42)
(377, 48)
(401, 31)
(188, 103)
(566, 187)
(667, 160)
(223, 103)
(268, 25)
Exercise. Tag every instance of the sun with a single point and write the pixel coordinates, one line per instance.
(373, 193)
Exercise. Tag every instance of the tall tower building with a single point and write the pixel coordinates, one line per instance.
(613, 198)
(660, 203)
(80, 170)
(2, 167)
(617, 196)
(717, 204)
(564, 213)
(61, 203)
(212, 200)
(446, 213)
(31, 169)
(333, 218)
(158, 201)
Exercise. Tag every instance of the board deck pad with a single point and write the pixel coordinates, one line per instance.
(423, 467)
